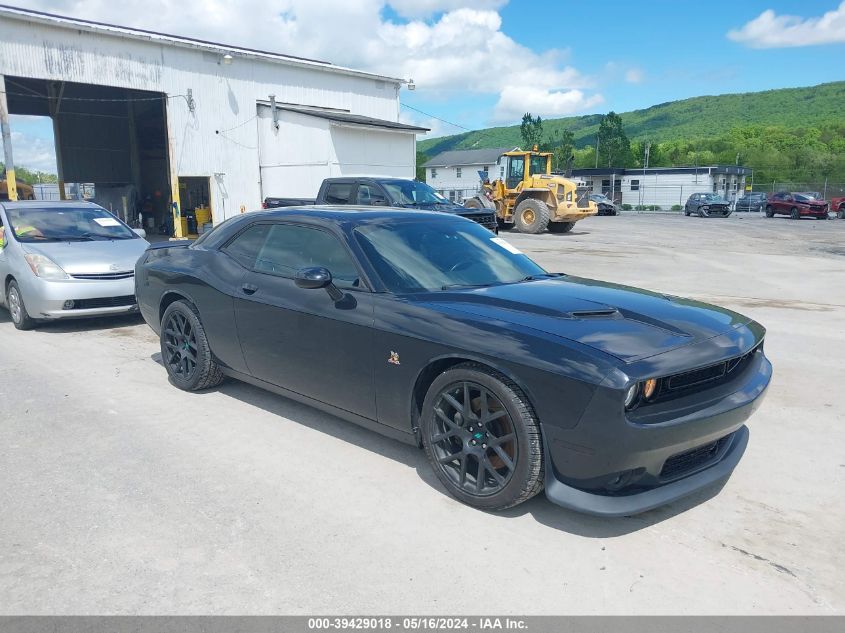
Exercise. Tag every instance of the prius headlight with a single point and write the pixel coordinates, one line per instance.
(45, 267)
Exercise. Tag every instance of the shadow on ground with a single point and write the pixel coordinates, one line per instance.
(539, 507)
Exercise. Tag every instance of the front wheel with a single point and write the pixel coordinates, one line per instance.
(770, 212)
(185, 351)
(17, 308)
(531, 216)
(841, 214)
(482, 438)
(560, 227)
(794, 214)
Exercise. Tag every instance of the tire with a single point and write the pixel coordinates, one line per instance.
(531, 216)
(473, 203)
(560, 227)
(181, 330)
(794, 214)
(17, 308)
(701, 213)
(841, 214)
(770, 212)
(446, 432)
(686, 212)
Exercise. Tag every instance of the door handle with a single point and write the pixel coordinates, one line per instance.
(249, 289)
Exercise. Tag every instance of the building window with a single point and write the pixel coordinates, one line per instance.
(451, 195)
(605, 186)
(635, 185)
(457, 172)
(433, 173)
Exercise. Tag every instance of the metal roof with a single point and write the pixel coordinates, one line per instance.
(467, 157)
(30, 15)
(635, 171)
(354, 119)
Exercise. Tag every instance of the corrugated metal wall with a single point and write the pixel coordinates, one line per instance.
(219, 139)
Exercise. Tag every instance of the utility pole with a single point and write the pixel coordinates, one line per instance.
(597, 150)
(646, 153)
(9, 160)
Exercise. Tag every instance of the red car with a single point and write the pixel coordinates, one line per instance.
(838, 205)
(796, 206)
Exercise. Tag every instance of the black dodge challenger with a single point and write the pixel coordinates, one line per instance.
(427, 328)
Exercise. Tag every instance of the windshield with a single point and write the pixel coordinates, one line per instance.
(66, 224)
(800, 197)
(711, 196)
(537, 165)
(419, 256)
(597, 197)
(412, 192)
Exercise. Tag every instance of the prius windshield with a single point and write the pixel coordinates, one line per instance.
(424, 256)
(66, 224)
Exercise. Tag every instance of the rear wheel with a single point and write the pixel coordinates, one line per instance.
(770, 212)
(474, 203)
(841, 214)
(185, 351)
(17, 308)
(560, 227)
(482, 438)
(531, 216)
(794, 214)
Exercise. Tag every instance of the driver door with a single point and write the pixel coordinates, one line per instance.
(516, 171)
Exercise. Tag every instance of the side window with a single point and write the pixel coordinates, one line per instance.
(2, 234)
(367, 194)
(289, 248)
(246, 246)
(457, 172)
(338, 193)
(433, 173)
(635, 186)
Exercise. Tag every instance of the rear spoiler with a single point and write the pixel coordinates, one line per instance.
(169, 244)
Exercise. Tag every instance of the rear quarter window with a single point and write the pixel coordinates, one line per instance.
(338, 193)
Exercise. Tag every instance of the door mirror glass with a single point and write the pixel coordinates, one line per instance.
(313, 278)
(140, 233)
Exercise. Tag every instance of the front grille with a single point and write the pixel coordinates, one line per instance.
(104, 302)
(126, 274)
(582, 196)
(483, 218)
(711, 374)
(694, 459)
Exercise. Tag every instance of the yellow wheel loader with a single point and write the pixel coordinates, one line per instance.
(530, 198)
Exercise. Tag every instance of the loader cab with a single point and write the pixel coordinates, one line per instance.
(520, 166)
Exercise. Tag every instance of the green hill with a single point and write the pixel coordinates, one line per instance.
(696, 118)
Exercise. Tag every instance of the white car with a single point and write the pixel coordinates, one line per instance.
(66, 259)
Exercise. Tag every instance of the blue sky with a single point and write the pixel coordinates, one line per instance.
(478, 63)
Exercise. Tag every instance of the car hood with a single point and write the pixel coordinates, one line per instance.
(627, 323)
(92, 257)
(447, 208)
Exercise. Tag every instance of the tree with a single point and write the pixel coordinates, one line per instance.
(531, 130)
(422, 158)
(562, 144)
(614, 146)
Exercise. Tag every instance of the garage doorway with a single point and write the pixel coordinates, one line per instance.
(195, 197)
(113, 139)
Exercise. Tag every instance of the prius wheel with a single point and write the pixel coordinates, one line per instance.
(482, 438)
(185, 351)
(17, 308)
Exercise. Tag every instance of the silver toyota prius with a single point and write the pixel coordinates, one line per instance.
(65, 260)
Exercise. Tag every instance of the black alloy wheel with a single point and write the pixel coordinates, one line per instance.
(770, 212)
(482, 438)
(185, 351)
(794, 214)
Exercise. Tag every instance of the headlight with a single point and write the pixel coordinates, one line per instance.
(649, 388)
(45, 267)
(631, 395)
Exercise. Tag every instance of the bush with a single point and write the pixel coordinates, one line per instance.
(640, 207)
(677, 207)
(626, 207)
(655, 207)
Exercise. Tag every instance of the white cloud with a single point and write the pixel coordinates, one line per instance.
(33, 152)
(634, 76)
(770, 30)
(460, 51)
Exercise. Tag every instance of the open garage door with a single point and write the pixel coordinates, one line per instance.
(299, 147)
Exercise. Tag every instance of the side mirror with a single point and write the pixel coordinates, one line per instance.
(140, 233)
(318, 277)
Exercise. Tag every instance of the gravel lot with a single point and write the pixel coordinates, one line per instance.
(120, 494)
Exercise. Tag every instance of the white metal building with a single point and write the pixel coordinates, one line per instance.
(455, 173)
(169, 124)
(665, 186)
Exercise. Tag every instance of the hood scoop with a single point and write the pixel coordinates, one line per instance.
(594, 314)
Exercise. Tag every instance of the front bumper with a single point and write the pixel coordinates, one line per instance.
(46, 299)
(612, 466)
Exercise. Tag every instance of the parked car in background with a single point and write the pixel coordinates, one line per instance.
(386, 192)
(427, 328)
(66, 259)
(605, 205)
(751, 202)
(796, 206)
(707, 205)
(838, 206)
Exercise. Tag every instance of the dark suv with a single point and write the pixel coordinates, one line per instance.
(751, 202)
(707, 205)
(796, 206)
